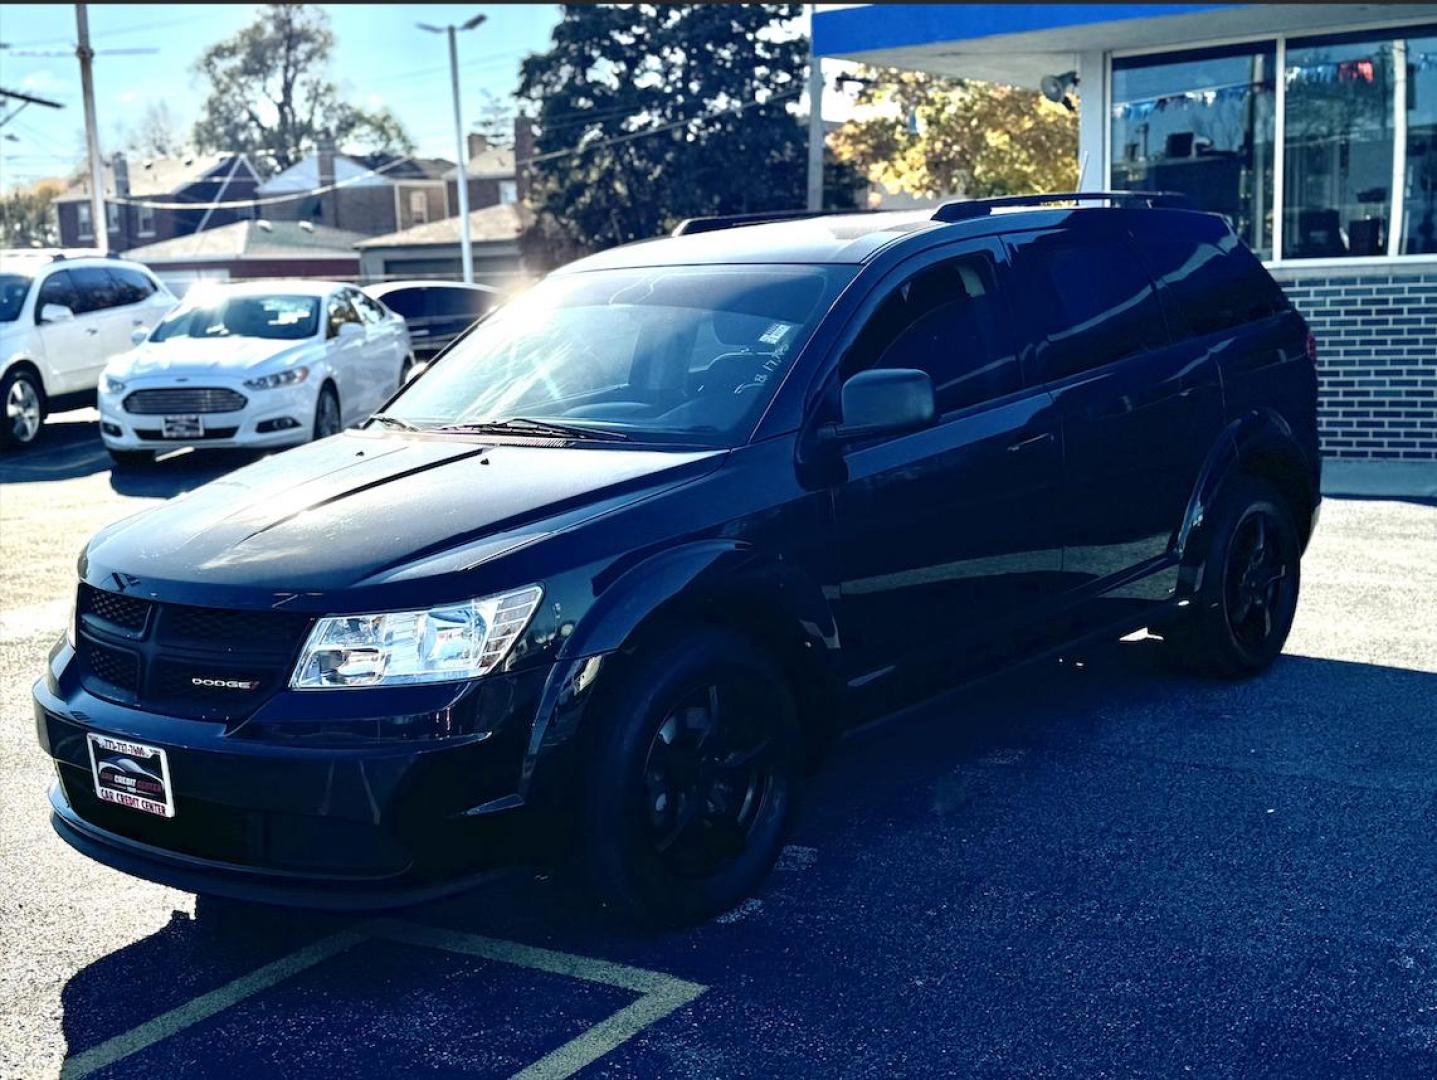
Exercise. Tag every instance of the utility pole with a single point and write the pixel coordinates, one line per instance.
(99, 223)
(815, 119)
(466, 249)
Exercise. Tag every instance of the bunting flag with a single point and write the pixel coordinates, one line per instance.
(1137, 110)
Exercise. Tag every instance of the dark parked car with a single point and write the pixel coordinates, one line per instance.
(436, 312)
(607, 578)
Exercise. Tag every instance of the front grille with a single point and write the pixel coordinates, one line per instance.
(210, 433)
(188, 399)
(126, 612)
(166, 658)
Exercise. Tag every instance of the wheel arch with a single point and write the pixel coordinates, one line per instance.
(25, 362)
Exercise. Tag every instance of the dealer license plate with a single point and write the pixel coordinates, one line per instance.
(183, 427)
(131, 774)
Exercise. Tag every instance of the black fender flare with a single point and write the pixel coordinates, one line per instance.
(727, 581)
(1259, 436)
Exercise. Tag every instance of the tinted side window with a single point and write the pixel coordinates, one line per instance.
(1207, 289)
(462, 302)
(340, 311)
(406, 302)
(1090, 299)
(131, 286)
(945, 320)
(95, 290)
(56, 289)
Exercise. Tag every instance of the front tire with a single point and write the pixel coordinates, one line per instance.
(694, 780)
(327, 420)
(132, 459)
(23, 399)
(1243, 610)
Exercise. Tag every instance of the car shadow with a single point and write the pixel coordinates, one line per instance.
(1071, 813)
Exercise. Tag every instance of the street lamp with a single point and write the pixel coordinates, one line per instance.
(466, 250)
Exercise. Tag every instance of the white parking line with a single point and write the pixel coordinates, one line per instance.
(660, 995)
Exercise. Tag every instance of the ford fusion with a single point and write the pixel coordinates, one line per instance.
(253, 365)
(601, 584)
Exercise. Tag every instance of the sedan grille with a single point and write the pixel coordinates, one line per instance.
(196, 399)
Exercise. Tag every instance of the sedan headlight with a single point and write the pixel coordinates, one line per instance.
(290, 377)
(400, 648)
(111, 385)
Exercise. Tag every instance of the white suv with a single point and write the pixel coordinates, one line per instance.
(61, 320)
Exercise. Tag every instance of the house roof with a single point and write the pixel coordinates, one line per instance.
(162, 175)
(491, 163)
(252, 240)
(356, 170)
(492, 225)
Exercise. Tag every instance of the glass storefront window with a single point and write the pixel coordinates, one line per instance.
(1419, 235)
(1339, 143)
(1200, 123)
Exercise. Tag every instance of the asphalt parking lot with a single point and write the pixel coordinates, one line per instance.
(1092, 868)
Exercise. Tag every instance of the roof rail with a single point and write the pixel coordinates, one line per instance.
(691, 226)
(965, 210)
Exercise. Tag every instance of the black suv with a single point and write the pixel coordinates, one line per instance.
(607, 578)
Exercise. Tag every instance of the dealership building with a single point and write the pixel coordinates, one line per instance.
(1312, 127)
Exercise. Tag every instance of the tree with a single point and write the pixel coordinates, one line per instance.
(977, 139)
(270, 95)
(156, 134)
(671, 111)
(27, 216)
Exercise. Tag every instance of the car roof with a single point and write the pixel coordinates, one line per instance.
(384, 288)
(290, 286)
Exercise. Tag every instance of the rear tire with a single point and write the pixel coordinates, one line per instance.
(327, 419)
(1240, 617)
(132, 459)
(694, 779)
(22, 408)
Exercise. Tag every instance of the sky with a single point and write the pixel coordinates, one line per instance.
(380, 58)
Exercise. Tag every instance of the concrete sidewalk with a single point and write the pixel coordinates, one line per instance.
(1380, 479)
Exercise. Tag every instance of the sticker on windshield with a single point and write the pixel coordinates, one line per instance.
(775, 333)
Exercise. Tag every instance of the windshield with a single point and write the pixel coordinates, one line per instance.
(13, 288)
(284, 318)
(687, 354)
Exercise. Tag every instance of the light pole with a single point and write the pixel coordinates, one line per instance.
(465, 248)
(815, 119)
(98, 221)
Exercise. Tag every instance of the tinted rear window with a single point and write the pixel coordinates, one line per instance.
(1208, 287)
(1089, 298)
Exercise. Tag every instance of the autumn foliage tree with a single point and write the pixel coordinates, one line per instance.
(270, 94)
(928, 135)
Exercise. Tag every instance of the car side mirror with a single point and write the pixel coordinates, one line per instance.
(888, 401)
(52, 313)
(349, 330)
(138, 335)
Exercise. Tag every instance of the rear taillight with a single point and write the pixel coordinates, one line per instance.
(1311, 349)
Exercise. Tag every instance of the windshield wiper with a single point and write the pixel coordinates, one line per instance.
(392, 421)
(524, 426)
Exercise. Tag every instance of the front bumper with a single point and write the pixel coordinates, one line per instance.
(267, 818)
(240, 428)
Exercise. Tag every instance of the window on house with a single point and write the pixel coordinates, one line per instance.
(419, 207)
(112, 217)
(86, 220)
(1339, 146)
(145, 220)
(1200, 122)
(508, 191)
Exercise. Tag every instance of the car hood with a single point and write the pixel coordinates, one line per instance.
(387, 511)
(200, 356)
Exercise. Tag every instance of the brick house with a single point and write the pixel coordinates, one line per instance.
(376, 193)
(493, 176)
(198, 179)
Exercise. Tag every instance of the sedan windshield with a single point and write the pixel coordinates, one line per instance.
(13, 288)
(284, 318)
(687, 354)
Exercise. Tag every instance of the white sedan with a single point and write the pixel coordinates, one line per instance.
(267, 364)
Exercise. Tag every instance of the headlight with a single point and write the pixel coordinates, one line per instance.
(111, 385)
(292, 377)
(398, 648)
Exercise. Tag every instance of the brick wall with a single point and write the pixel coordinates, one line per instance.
(1376, 330)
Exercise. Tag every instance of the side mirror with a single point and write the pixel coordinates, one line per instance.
(138, 335)
(51, 313)
(885, 402)
(349, 330)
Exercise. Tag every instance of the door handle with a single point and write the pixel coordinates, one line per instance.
(1031, 440)
(92, 330)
